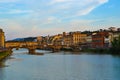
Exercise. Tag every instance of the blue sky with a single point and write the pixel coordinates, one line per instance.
(24, 18)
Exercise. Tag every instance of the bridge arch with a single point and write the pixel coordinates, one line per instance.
(31, 46)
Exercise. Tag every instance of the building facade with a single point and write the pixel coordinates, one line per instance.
(74, 38)
(67, 40)
(57, 40)
(89, 41)
(78, 38)
(2, 39)
(100, 40)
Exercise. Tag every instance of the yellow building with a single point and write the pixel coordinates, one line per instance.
(2, 38)
(78, 37)
(57, 40)
(74, 38)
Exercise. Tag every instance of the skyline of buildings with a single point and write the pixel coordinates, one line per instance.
(87, 39)
(101, 38)
(30, 36)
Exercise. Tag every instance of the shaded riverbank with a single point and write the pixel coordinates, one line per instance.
(112, 51)
(90, 50)
(4, 54)
(96, 50)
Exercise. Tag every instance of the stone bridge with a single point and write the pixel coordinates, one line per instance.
(31, 46)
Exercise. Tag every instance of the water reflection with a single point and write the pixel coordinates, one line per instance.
(37, 53)
(116, 56)
(60, 66)
(2, 65)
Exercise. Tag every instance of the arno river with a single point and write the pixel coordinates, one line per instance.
(60, 66)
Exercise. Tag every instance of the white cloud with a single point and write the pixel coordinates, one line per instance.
(78, 21)
(58, 1)
(85, 11)
(7, 1)
(52, 20)
(19, 11)
(16, 11)
(63, 8)
(102, 1)
(76, 7)
(10, 25)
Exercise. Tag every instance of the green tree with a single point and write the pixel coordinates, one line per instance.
(115, 49)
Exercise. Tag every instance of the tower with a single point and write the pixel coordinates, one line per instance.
(2, 39)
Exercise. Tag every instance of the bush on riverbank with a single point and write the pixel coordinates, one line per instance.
(96, 50)
(4, 54)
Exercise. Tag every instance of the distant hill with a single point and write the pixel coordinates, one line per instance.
(25, 39)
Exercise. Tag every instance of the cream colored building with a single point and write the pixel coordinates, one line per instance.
(89, 41)
(67, 40)
(74, 38)
(2, 38)
(78, 37)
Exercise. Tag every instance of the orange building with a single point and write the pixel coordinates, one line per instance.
(98, 39)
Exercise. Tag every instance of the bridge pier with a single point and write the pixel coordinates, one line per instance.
(55, 49)
(31, 51)
(17, 48)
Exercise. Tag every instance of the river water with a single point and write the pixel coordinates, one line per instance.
(60, 66)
